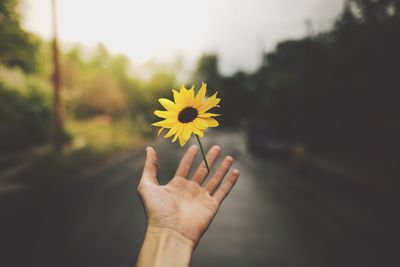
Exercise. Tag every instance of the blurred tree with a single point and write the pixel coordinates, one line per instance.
(100, 83)
(157, 86)
(101, 97)
(101, 58)
(93, 86)
(292, 87)
(339, 87)
(25, 119)
(236, 91)
(119, 67)
(17, 46)
(366, 59)
(73, 69)
(207, 71)
(238, 99)
(374, 10)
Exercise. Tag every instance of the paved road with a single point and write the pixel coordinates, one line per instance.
(274, 217)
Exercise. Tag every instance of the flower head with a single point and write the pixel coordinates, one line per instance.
(187, 114)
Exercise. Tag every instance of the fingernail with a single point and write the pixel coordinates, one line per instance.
(230, 158)
(216, 147)
(193, 147)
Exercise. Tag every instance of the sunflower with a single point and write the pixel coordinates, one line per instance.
(187, 114)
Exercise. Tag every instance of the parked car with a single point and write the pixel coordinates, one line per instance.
(261, 139)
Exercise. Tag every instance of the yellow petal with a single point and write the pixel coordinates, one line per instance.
(209, 103)
(166, 114)
(178, 132)
(187, 96)
(190, 97)
(178, 99)
(208, 115)
(172, 131)
(210, 122)
(198, 132)
(159, 131)
(182, 93)
(187, 131)
(199, 124)
(168, 104)
(183, 89)
(200, 95)
(168, 123)
(182, 141)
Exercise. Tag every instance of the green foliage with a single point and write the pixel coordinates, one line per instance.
(99, 83)
(93, 141)
(101, 135)
(24, 119)
(101, 96)
(207, 70)
(96, 85)
(17, 46)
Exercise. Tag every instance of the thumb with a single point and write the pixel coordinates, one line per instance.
(149, 174)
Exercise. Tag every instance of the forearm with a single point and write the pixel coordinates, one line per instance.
(164, 247)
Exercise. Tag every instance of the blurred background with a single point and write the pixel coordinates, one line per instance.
(310, 112)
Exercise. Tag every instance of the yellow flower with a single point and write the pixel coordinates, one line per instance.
(187, 114)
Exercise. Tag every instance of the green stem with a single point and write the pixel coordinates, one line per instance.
(202, 152)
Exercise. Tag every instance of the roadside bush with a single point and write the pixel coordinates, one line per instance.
(102, 96)
(25, 120)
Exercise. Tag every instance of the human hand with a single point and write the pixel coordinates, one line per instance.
(182, 205)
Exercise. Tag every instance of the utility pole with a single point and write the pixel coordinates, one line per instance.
(57, 108)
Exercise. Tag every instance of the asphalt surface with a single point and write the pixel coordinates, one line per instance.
(275, 216)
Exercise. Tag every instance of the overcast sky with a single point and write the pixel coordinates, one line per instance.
(238, 30)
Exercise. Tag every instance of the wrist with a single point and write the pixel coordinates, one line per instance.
(169, 235)
(165, 247)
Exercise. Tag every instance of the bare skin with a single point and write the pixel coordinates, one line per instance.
(179, 212)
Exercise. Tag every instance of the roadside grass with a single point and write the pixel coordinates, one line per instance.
(92, 142)
(102, 136)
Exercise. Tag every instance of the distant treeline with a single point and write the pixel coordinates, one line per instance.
(338, 88)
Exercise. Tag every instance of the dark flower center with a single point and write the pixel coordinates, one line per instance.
(187, 114)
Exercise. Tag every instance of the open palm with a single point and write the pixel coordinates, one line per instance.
(185, 205)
